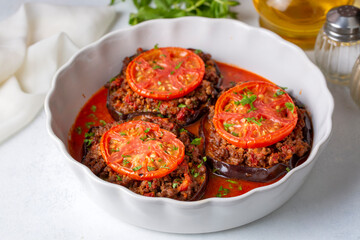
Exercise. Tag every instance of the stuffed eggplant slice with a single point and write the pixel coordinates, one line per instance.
(149, 155)
(256, 132)
(173, 82)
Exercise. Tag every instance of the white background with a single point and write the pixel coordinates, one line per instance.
(40, 198)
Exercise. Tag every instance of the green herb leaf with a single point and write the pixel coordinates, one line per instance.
(253, 120)
(183, 130)
(157, 67)
(78, 130)
(102, 122)
(197, 51)
(93, 108)
(118, 178)
(91, 134)
(137, 168)
(234, 134)
(290, 106)
(123, 133)
(147, 130)
(149, 183)
(88, 124)
(179, 65)
(156, 46)
(248, 100)
(278, 93)
(181, 105)
(231, 181)
(196, 141)
(88, 142)
(227, 125)
(172, 72)
(149, 168)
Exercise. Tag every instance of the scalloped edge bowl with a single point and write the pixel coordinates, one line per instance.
(230, 41)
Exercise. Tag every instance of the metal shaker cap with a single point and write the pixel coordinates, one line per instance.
(343, 23)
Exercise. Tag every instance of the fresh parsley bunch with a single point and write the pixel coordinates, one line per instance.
(153, 9)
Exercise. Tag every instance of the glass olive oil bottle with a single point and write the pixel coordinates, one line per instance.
(298, 21)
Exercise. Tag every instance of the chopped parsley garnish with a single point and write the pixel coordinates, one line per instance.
(143, 138)
(137, 168)
(231, 181)
(78, 130)
(290, 106)
(123, 133)
(232, 83)
(196, 141)
(93, 108)
(197, 51)
(125, 156)
(227, 125)
(147, 130)
(234, 134)
(118, 178)
(237, 103)
(278, 93)
(248, 99)
(88, 124)
(91, 115)
(89, 134)
(88, 142)
(156, 46)
(172, 72)
(102, 122)
(157, 67)
(253, 120)
(222, 191)
(205, 159)
(288, 169)
(183, 130)
(240, 188)
(179, 65)
(175, 148)
(113, 79)
(149, 168)
(199, 165)
(149, 183)
(114, 150)
(181, 105)
(174, 185)
(164, 166)
(159, 83)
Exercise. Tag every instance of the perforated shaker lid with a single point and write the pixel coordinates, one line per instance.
(343, 23)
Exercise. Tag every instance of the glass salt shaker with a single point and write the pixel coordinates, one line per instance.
(338, 44)
(355, 82)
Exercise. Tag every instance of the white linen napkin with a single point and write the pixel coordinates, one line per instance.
(34, 43)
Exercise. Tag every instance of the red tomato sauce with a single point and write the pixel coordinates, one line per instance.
(95, 113)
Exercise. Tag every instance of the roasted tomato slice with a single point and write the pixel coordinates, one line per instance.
(254, 114)
(141, 150)
(165, 73)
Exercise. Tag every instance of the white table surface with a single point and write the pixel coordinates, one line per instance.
(40, 198)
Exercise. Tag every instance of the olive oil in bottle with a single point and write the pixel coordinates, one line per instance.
(297, 21)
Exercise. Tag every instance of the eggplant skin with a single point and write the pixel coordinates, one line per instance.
(122, 100)
(257, 174)
(160, 187)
